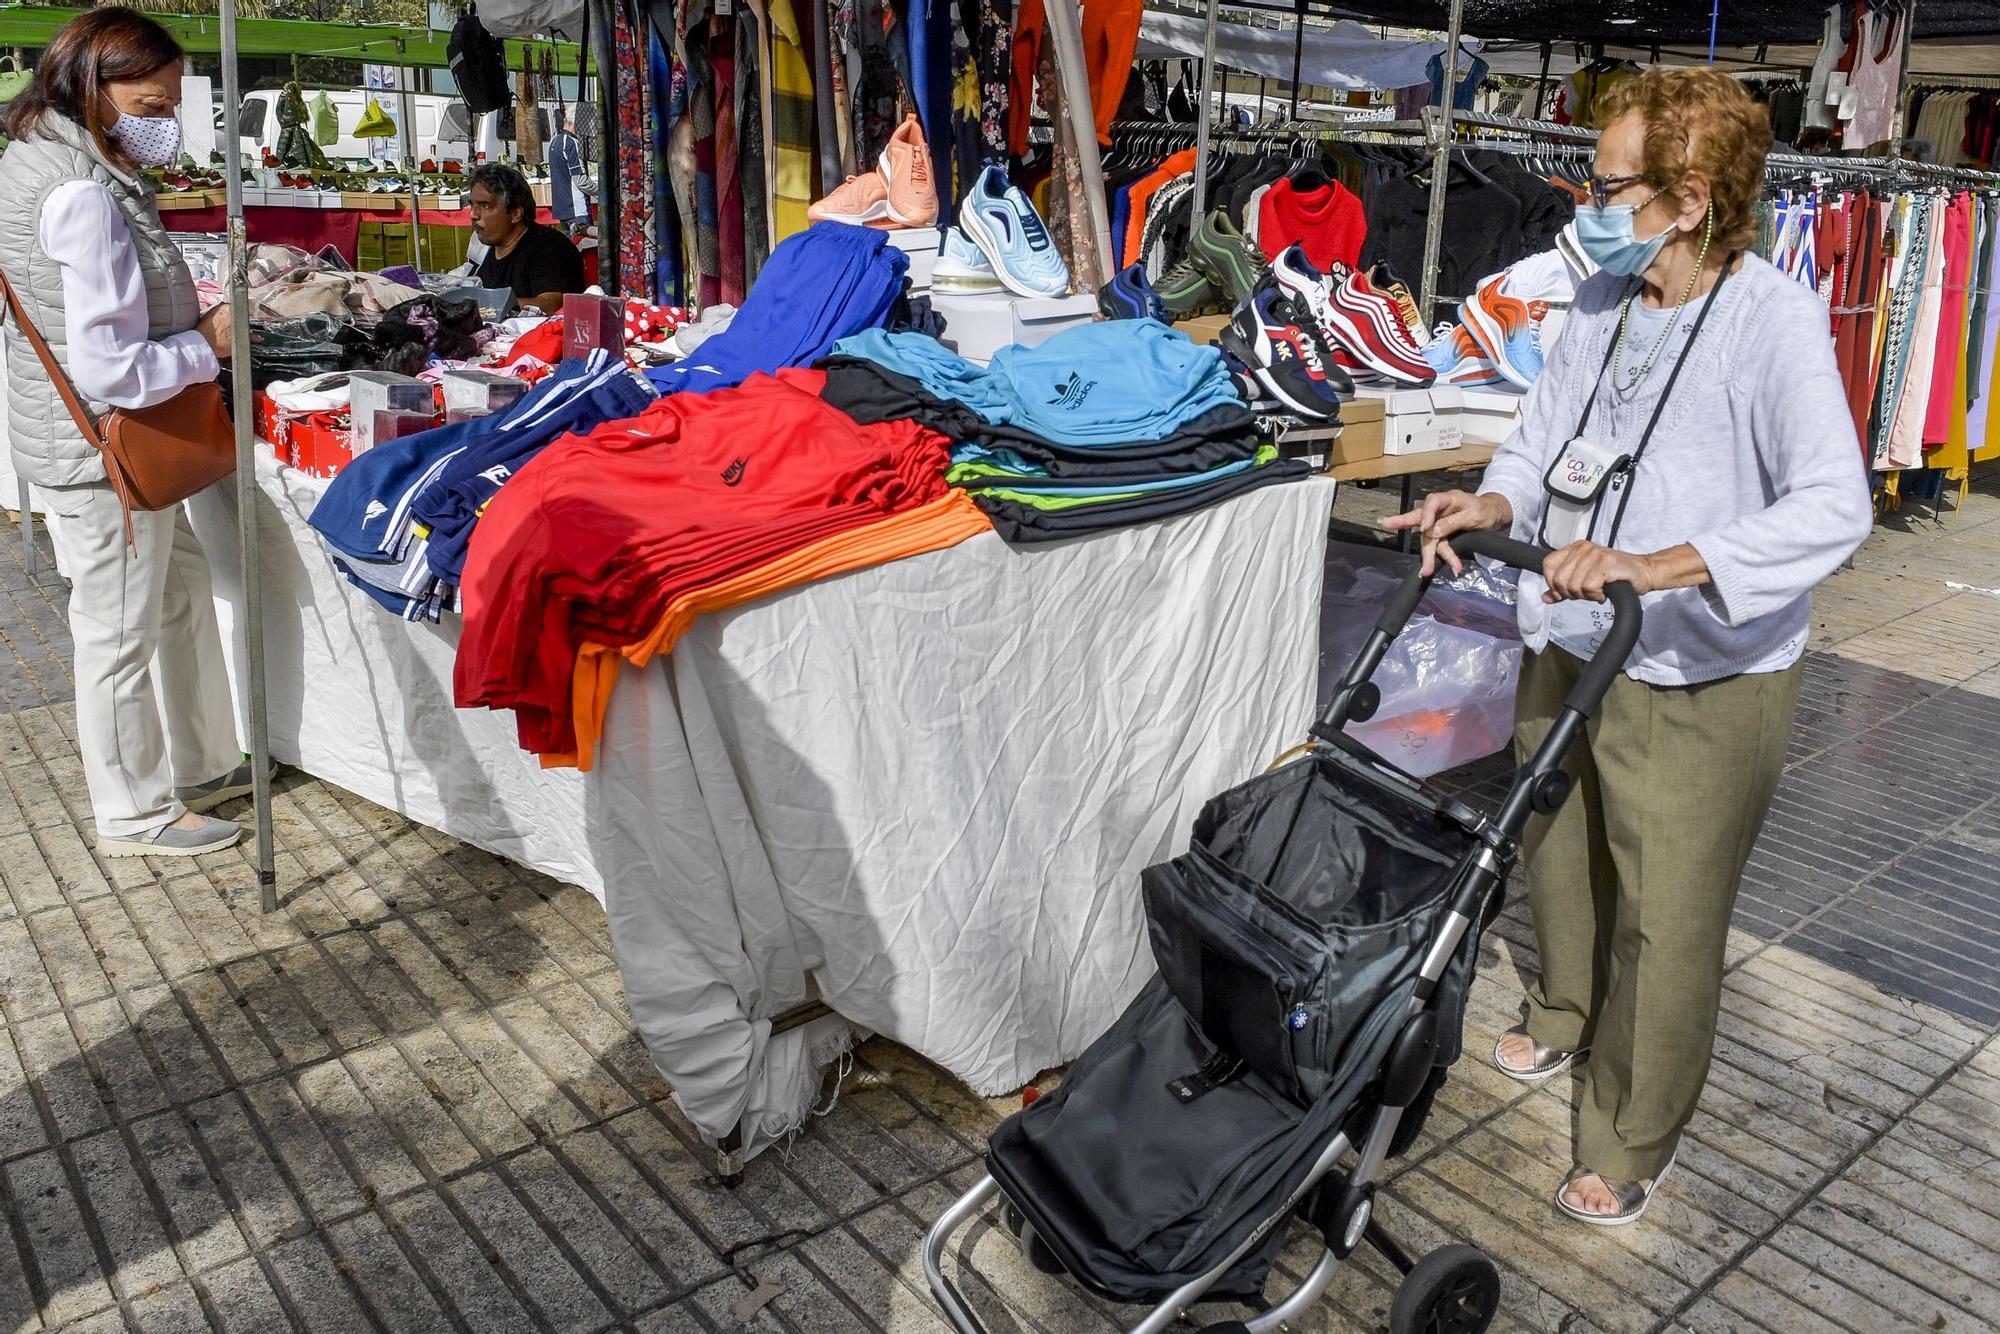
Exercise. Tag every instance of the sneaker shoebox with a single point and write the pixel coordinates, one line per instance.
(921, 244)
(980, 324)
(1418, 421)
(1490, 415)
(1203, 328)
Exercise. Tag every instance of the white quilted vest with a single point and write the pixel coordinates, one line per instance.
(47, 447)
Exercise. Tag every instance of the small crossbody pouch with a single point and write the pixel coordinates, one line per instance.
(1577, 483)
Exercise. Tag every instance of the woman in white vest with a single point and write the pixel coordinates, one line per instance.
(90, 264)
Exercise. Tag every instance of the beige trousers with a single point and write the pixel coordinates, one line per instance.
(153, 710)
(1632, 884)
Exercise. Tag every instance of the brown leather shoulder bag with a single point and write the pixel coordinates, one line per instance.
(155, 457)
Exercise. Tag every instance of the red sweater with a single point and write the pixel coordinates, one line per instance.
(1328, 222)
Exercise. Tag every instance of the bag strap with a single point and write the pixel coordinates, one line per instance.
(92, 430)
(57, 375)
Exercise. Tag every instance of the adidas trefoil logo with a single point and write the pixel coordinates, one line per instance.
(1070, 393)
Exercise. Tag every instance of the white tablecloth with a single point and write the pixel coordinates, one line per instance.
(923, 791)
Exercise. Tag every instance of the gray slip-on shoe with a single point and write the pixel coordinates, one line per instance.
(211, 835)
(207, 796)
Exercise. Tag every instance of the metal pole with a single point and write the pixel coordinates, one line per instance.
(1438, 120)
(1542, 86)
(408, 105)
(1065, 27)
(250, 616)
(1204, 116)
(1298, 53)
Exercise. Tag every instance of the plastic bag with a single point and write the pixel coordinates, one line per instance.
(1448, 681)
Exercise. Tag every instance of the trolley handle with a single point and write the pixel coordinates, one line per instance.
(1619, 641)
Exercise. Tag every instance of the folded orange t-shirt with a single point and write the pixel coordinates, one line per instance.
(944, 522)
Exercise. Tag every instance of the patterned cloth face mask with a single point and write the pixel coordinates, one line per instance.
(150, 141)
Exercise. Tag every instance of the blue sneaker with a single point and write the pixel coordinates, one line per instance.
(1004, 225)
(1130, 296)
(962, 267)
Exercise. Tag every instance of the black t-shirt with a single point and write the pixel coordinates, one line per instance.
(543, 260)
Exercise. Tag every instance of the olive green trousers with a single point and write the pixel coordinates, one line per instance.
(1632, 884)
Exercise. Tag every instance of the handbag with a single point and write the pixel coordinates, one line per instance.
(155, 457)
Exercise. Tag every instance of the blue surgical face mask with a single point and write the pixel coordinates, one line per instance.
(1607, 236)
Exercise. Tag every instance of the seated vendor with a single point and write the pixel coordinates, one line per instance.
(538, 262)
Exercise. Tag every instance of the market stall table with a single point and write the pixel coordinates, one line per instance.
(920, 793)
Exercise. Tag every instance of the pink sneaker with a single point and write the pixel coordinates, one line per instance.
(862, 200)
(906, 167)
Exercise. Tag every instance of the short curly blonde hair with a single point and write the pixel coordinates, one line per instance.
(1700, 121)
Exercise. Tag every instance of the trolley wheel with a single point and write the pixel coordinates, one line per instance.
(1038, 1252)
(1453, 1290)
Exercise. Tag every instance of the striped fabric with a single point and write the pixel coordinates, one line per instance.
(792, 146)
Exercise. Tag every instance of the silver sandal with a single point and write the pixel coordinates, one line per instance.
(1548, 1060)
(1632, 1196)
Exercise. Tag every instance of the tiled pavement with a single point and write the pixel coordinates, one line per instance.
(412, 1100)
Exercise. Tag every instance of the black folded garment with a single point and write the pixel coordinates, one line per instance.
(869, 393)
(1019, 522)
(312, 345)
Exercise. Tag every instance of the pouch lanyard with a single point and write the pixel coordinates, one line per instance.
(1618, 482)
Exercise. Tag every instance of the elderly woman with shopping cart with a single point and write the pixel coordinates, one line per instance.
(1690, 436)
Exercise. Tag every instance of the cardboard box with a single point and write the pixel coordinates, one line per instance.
(1203, 328)
(1361, 432)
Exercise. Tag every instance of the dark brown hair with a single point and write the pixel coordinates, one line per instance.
(106, 45)
(1700, 121)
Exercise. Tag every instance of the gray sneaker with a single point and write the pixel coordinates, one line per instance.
(211, 835)
(207, 796)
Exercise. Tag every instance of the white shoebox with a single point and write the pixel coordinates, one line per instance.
(921, 244)
(980, 324)
(1419, 421)
(1490, 415)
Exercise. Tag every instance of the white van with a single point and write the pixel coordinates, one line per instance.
(443, 128)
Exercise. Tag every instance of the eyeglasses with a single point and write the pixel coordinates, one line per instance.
(1603, 187)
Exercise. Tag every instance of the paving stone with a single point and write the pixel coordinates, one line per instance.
(608, 1255)
(171, 1310)
(367, 1253)
(648, 1214)
(68, 1278)
(54, 1062)
(117, 1065)
(197, 1214)
(547, 1276)
(141, 1256)
(317, 1287)
(401, 1098)
(463, 1268)
(263, 1204)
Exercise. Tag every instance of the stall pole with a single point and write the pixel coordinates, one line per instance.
(1438, 121)
(1066, 30)
(1542, 84)
(1298, 49)
(407, 104)
(1204, 116)
(249, 618)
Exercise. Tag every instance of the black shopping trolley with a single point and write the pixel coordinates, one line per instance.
(1315, 945)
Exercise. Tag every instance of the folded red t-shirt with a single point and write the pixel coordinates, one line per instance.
(599, 533)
